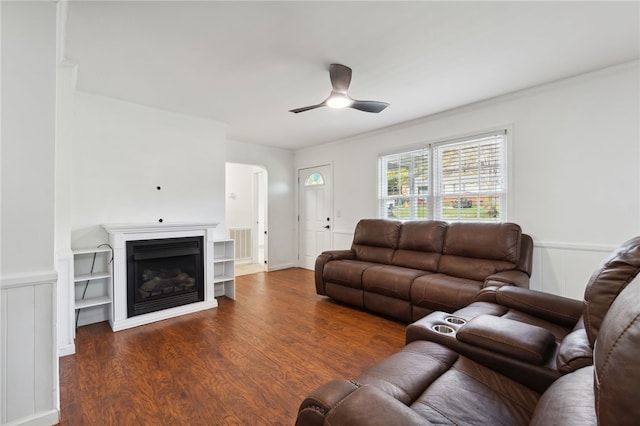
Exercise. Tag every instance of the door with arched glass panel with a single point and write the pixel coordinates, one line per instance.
(315, 222)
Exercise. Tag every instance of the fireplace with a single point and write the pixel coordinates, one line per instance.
(164, 273)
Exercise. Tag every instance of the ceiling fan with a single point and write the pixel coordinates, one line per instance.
(340, 79)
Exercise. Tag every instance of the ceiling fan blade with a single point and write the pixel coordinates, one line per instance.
(307, 108)
(369, 106)
(340, 77)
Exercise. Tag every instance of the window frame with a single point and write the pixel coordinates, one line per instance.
(434, 203)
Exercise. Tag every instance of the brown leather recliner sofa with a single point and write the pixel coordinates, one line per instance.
(407, 270)
(529, 335)
(427, 383)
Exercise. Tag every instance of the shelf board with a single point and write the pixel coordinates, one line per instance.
(222, 278)
(94, 301)
(223, 259)
(89, 277)
(91, 250)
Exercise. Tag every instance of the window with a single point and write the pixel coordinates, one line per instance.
(463, 179)
(314, 179)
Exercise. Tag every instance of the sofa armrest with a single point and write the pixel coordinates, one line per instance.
(575, 352)
(322, 260)
(314, 408)
(511, 277)
(514, 339)
(487, 294)
(341, 402)
(551, 307)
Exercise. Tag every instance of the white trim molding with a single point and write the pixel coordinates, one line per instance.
(28, 280)
(51, 417)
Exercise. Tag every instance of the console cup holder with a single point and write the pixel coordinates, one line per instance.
(455, 320)
(443, 329)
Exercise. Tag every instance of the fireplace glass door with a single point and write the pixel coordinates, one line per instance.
(164, 273)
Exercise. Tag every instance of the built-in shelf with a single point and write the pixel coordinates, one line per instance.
(92, 278)
(224, 275)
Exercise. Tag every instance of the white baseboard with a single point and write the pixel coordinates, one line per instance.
(46, 418)
(66, 350)
(271, 268)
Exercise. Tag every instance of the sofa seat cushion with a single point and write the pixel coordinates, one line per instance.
(569, 401)
(392, 281)
(346, 272)
(446, 388)
(440, 292)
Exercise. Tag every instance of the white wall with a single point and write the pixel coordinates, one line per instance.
(575, 170)
(28, 362)
(239, 193)
(282, 225)
(122, 152)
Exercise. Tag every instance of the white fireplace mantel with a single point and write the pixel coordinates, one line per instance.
(120, 233)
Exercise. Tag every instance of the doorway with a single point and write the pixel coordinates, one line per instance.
(246, 215)
(314, 213)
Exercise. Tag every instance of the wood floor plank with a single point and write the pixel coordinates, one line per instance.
(248, 362)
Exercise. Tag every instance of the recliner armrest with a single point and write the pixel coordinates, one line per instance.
(510, 277)
(515, 339)
(551, 307)
(322, 260)
(339, 254)
(357, 404)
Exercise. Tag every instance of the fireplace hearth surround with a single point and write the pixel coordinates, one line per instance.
(166, 287)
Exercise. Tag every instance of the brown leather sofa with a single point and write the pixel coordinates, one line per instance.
(427, 383)
(529, 335)
(408, 270)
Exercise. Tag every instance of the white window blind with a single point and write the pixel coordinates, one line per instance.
(468, 176)
(404, 185)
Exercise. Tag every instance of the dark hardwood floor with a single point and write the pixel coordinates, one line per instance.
(248, 362)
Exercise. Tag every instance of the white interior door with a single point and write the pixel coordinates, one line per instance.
(314, 221)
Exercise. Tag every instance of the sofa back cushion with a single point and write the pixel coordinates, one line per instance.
(495, 241)
(616, 361)
(607, 282)
(376, 239)
(471, 268)
(420, 245)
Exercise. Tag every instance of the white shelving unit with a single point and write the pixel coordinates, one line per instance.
(98, 283)
(224, 275)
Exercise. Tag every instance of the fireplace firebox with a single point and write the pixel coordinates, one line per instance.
(164, 273)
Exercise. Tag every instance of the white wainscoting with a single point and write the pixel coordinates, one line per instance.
(342, 240)
(558, 268)
(28, 353)
(565, 268)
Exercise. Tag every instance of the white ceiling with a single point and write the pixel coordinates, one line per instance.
(247, 63)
